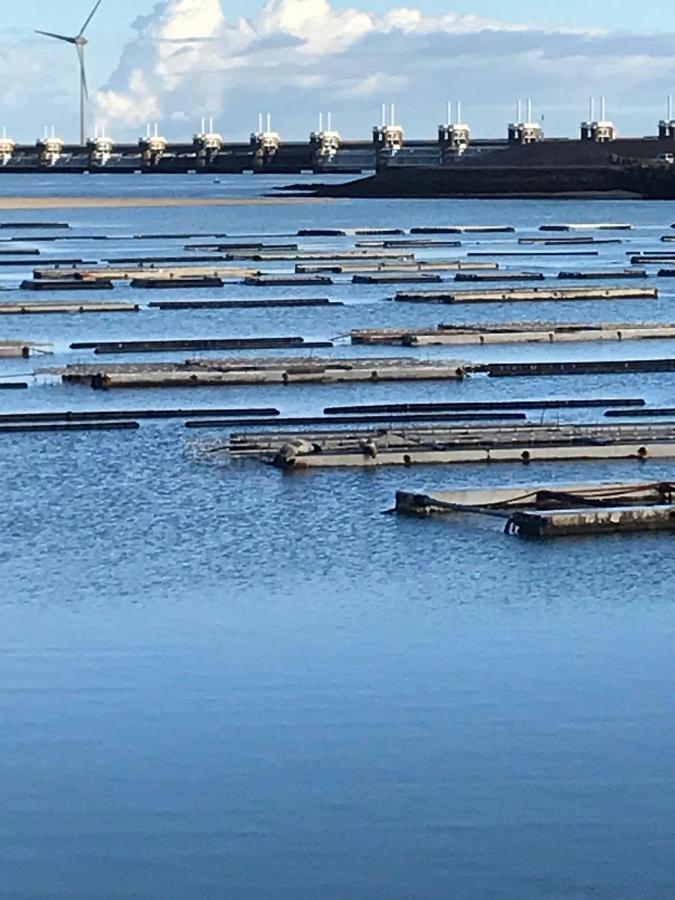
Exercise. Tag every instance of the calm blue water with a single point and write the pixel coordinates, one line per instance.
(217, 681)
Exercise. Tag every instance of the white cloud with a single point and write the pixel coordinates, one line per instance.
(320, 28)
(298, 56)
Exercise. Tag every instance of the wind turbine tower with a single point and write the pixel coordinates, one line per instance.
(80, 42)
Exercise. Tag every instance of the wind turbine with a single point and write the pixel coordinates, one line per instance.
(80, 43)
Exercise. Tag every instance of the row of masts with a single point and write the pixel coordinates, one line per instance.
(387, 119)
(388, 137)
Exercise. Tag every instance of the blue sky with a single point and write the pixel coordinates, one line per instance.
(301, 56)
(599, 13)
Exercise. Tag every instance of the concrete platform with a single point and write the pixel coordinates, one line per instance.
(528, 295)
(54, 308)
(512, 333)
(286, 371)
(532, 497)
(112, 273)
(524, 453)
(567, 523)
(449, 445)
(546, 511)
(23, 349)
(601, 275)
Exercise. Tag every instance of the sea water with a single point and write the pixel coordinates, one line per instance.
(223, 681)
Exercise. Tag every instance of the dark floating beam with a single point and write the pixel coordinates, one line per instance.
(16, 226)
(528, 253)
(204, 281)
(244, 304)
(421, 243)
(44, 238)
(261, 343)
(321, 232)
(418, 277)
(600, 226)
(499, 276)
(646, 412)
(578, 367)
(63, 284)
(186, 236)
(364, 420)
(650, 257)
(463, 229)
(112, 415)
(373, 232)
(69, 426)
(229, 248)
(561, 241)
(69, 263)
(497, 405)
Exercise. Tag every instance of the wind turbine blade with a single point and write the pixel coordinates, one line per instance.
(59, 37)
(83, 73)
(90, 17)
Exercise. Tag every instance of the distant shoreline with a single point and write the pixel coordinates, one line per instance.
(630, 181)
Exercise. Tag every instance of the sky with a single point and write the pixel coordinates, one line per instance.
(176, 60)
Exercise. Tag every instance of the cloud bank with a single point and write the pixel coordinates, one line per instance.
(296, 57)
